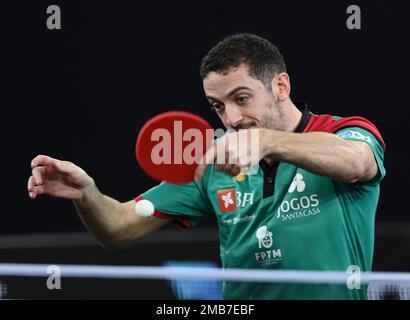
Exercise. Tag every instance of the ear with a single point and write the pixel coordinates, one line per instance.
(281, 86)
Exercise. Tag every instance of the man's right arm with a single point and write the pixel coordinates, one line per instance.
(114, 224)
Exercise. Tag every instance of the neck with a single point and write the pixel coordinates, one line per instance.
(291, 115)
(291, 119)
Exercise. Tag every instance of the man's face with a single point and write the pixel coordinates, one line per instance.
(241, 101)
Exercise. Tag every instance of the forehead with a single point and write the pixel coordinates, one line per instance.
(219, 83)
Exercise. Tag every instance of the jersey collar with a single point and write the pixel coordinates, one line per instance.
(302, 106)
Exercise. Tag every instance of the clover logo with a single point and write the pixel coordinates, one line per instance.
(297, 184)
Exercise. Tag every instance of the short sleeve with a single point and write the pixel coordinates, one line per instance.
(360, 134)
(186, 204)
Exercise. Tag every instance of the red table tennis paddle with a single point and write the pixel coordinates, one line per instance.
(170, 145)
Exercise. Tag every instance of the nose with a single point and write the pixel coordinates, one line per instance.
(232, 116)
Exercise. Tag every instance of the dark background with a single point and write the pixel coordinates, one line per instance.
(82, 93)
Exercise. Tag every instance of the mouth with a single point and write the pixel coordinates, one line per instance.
(245, 127)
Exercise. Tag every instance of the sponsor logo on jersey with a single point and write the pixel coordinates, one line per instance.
(300, 206)
(230, 199)
(226, 199)
(354, 134)
(244, 199)
(297, 184)
(236, 220)
(266, 253)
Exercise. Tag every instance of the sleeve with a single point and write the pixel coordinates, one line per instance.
(361, 134)
(186, 204)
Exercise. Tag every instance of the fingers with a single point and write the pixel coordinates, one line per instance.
(229, 161)
(235, 171)
(59, 165)
(30, 187)
(34, 190)
(35, 185)
(206, 159)
(42, 160)
(44, 170)
(38, 175)
(231, 169)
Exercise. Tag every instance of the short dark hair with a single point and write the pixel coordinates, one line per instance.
(260, 55)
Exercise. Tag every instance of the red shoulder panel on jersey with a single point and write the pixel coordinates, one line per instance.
(181, 221)
(326, 123)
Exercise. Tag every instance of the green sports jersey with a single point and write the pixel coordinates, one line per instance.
(285, 217)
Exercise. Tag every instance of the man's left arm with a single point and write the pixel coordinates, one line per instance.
(322, 153)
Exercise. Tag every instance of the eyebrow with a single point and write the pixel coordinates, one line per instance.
(232, 92)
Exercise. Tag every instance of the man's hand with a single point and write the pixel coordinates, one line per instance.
(114, 224)
(236, 152)
(57, 178)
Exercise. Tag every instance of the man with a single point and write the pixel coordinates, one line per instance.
(310, 206)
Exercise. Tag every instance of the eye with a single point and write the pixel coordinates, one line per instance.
(241, 100)
(217, 107)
